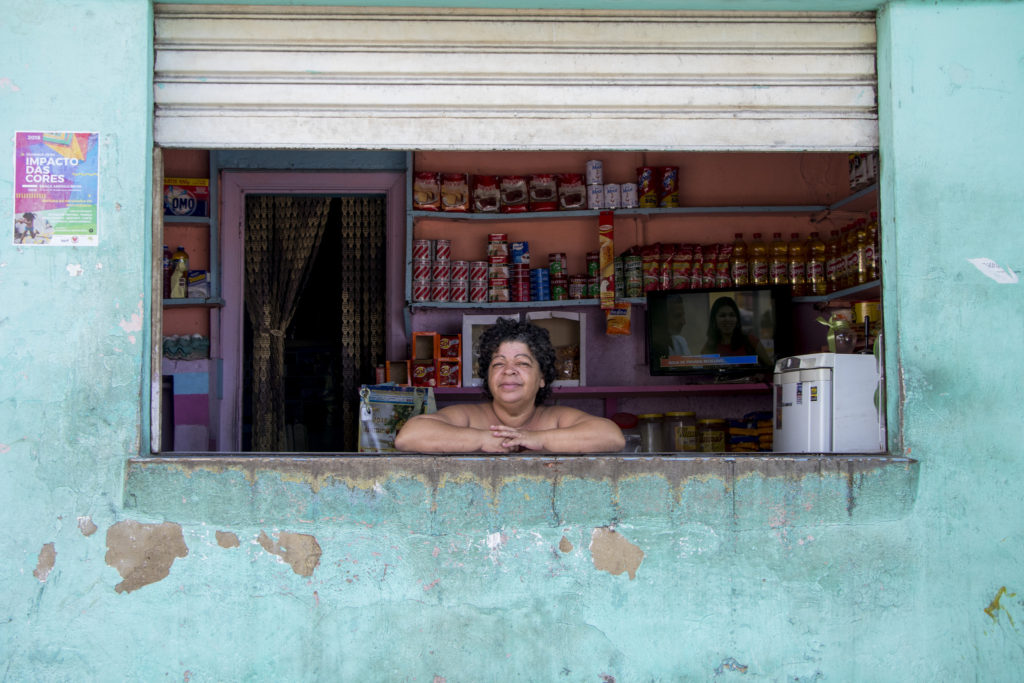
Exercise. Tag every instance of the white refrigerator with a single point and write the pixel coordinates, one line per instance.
(829, 403)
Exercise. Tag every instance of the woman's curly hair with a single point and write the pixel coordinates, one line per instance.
(536, 339)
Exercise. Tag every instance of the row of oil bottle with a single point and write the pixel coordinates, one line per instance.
(811, 265)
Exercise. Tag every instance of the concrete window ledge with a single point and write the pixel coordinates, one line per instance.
(430, 492)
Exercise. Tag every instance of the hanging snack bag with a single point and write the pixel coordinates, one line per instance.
(606, 258)
(617, 320)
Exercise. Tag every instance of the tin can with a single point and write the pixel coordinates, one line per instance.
(712, 435)
(520, 252)
(478, 292)
(595, 196)
(440, 290)
(498, 272)
(520, 290)
(421, 269)
(557, 263)
(421, 291)
(577, 286)
(478, 270)
(593, 264)
(460, 291)
(498, 294)
(647, 187)
(442, 270)
(422, 250)
(668, 187)
(611, 195)
(460, 270)
(594, 287)
(595, 172)
(628, 195)
(443, 250)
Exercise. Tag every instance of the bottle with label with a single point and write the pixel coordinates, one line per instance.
(817, 254)
(167, 272)
(179, 274)
(871, 247)
(778, 259)
(680, 431)
(833, 261)
(739, 266)
(797, 249)
(848, 262)
(758, 261)
(860, 251)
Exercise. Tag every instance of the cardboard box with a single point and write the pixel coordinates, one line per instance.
(472, 327)
(449, 373)
(425, 345)
(423, 372)
(450, 346)
(397, 372)
(186, 196)
(568, 332)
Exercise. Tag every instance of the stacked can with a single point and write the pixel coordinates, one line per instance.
(540, 284)
(595, 185)
(593, 275)
(478, 282)
(460, 281)
(422, 269)
(497, 267)
(559, 277)
(519, 271)
(441, 276)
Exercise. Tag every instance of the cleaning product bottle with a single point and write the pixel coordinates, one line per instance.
(179, 274)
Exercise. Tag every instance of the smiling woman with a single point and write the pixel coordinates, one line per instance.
(520, 362)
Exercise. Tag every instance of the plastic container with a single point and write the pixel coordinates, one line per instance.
(680, 431)
(739, 266)
(778, 260)
(179, 274)
(758, 261)
(712, 435)
(650, 426)
(817, 253)
(797, 248)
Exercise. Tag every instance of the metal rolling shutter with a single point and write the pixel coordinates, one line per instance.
(450, 79)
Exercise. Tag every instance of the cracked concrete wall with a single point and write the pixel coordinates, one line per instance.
(770, 575)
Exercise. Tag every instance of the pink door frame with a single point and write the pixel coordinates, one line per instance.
(227, 340)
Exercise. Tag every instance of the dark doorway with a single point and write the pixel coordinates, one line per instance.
(330, 349)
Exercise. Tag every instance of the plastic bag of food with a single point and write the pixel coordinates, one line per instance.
(384, 408)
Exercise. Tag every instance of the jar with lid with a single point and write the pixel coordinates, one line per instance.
(650, 426)
(680, 431)
(712, 435)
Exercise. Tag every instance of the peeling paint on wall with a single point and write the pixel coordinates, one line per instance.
(612, 553)
(565, 545)
(994, 606)
(227, 539)
(133, 324)
(86, 526)
(143, 553)
(47, 558)
(301, 551)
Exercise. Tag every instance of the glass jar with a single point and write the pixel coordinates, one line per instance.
(712, 435)
(680, 433)
(650, 425)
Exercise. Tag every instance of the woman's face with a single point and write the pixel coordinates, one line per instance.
(726, 320)
(514, 374)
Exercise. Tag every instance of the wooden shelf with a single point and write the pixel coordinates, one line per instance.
(868, 290)
(201, 303)
(646, 390)
(198, 220)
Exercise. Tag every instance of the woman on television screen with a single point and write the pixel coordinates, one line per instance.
(726, 336)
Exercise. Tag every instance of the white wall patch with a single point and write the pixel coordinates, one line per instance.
(991, 269)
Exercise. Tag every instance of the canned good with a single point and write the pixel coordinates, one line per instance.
(595, 196)
(628, 195)
(646, 187)
(442, 250)
(557, 263)
(668, 187)
(611, 195)
(712, 435)
(460, 270)
(559, 288)
(478, 270)
(422, 250)
(595, 172)
(594, 287)
(633, 272)
(478, 292)
(442, 270)
(421, 290)
(593, 264)
(680, 431)
(441, 290)
(650, 426)
(520, 252)
(421, 269)
(577, 286)
(460, 291)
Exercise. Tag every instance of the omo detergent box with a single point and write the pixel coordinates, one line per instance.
(186, 197)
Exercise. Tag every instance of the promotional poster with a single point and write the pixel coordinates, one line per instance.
(56, 189)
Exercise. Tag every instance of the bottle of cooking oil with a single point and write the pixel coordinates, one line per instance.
(778, 260)
(833, 261)
(739, 266)
(872, 247)
(817, 254)
(797, 250)
(758, 261)
(860, 246)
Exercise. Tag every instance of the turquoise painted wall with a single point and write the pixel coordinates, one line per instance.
(475, 570)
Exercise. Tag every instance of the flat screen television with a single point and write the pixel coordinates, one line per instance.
(725, 333)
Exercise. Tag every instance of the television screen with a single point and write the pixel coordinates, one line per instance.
(724, 332)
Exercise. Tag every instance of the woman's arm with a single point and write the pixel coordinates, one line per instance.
(446, 431)
(574, 432)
